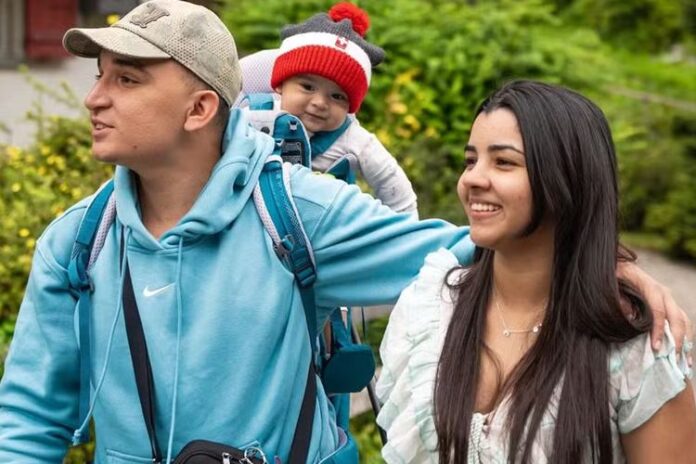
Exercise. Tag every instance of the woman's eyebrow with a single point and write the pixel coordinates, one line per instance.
(503, 146)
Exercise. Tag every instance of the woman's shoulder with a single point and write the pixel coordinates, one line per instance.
(410, 353)
(642, 380)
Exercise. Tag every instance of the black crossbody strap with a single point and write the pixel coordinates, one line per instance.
(141, 362)
(299, 449)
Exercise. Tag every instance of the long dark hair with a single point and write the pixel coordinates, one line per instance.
(572, 170)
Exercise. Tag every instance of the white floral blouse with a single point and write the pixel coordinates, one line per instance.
(641, 381)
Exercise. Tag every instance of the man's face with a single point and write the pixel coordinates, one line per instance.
(320, 103)
(137, 109)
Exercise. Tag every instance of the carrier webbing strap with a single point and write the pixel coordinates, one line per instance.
(321, 141)
(79, 281)
(292, 247)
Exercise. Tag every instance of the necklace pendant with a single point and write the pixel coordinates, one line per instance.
(506, 333)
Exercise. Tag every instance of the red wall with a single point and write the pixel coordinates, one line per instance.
(46, 22)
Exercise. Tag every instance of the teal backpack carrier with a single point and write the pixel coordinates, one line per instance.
(343, 364)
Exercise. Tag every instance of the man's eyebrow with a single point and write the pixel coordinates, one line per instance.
(129, 63)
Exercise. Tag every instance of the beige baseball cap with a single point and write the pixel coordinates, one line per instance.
(190, 34)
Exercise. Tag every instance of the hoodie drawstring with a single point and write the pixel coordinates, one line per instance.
(119, 306)
(179, 317)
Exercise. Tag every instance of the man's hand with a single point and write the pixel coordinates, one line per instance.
(662, 305)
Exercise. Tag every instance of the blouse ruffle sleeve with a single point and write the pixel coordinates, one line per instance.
(410, 353)
(642, 380)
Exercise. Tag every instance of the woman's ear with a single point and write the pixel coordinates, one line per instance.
(204, 107)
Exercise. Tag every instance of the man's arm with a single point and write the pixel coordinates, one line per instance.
(662, 305)
(668, 436)
(365, 253)
(39, 389)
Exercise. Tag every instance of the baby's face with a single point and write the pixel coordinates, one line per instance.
(320, 104)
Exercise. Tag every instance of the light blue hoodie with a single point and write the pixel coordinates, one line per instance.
(223, 318)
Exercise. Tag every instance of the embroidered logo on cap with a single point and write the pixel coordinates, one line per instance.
(341, 42)
(153, 13)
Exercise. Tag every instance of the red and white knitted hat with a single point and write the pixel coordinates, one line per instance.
(332, 46)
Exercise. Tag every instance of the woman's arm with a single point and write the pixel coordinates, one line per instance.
(669, 436)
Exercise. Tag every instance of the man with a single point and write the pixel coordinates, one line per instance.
(223, 318)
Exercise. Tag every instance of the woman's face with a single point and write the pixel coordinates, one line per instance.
(494, 187)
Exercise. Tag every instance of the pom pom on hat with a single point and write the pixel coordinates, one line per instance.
(332, 46)
(358, 17)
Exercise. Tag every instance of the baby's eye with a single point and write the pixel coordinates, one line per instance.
(306, 86)
(339, 97)
(98, 76)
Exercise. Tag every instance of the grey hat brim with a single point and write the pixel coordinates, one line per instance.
(88, 43)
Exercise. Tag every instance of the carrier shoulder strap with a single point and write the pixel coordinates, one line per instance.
(276, 207)
(89, 233)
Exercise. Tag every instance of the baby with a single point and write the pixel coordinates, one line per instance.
(321, 75)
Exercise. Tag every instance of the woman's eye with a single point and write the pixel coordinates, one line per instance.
(469, 161)
(504, 162)
(98, 76)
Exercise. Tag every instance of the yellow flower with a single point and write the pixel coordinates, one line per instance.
(112, 18)
(405, 77)
(412, 121)
(45, 150)
(24, 232)
(31, 243)
(13, 152)
(16, 187)
(383, 136)
(398, 107)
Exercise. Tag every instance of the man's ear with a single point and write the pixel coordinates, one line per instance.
(204, 107)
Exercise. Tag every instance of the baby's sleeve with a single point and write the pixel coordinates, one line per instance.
(387, 179)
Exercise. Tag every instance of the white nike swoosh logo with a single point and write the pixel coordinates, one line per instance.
(147, 292)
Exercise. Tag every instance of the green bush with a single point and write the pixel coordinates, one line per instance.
(675, 217)
(643, 25)
(36, 185)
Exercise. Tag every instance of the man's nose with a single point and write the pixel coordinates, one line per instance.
(97, 96)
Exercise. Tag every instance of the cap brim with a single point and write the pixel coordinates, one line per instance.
(89, 42)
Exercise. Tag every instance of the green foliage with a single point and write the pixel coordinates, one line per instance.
(675, 216)
(646, 25)
(36, 185)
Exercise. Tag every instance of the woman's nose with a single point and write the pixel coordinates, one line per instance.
(476, 175)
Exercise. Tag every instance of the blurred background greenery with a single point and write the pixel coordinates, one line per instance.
(635, 58)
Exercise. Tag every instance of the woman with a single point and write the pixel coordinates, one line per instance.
(534, 360)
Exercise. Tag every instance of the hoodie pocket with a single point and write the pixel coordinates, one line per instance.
(116, 457)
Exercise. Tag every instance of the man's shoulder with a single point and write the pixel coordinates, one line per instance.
(59, 236)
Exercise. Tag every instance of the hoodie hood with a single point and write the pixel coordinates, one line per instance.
(231, 183)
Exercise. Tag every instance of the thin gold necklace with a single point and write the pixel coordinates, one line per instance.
(508, 331)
